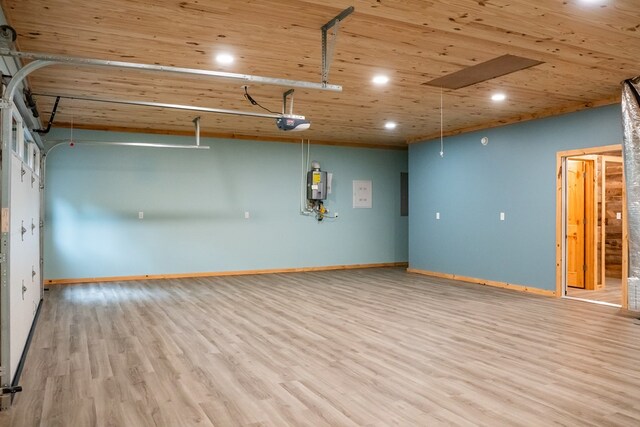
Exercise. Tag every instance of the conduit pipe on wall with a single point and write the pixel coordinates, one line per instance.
(304, 209)
(631, 154)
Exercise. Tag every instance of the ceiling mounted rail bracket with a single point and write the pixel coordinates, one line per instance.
(196, 122)
(285, 96)
(8, 36)
(51, 119)
(290, 121)
(328, 46)
(40, 60)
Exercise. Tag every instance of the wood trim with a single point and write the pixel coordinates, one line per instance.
(518, 119)
(559, 205)
(220, 273)
(221, 135)
(484, 282)
(587, 151)
(613, 159)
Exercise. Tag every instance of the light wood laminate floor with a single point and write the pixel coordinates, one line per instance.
(611, 293)
(346, 348)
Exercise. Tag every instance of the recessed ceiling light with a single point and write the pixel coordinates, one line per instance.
(224, 58)
(390, 125)
(380, 80)
(498, 97)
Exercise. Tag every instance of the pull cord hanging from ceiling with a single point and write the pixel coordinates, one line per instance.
(71, 142)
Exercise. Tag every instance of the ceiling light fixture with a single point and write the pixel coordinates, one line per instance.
(390, 125)
(498, 97)
(380, 80)
(224, 58)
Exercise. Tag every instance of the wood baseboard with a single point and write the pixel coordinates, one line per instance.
(219, 273)
(492, 283)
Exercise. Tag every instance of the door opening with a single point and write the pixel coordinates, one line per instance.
(592, 226)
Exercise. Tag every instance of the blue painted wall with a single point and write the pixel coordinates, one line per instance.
(194, 203)
(472, 184)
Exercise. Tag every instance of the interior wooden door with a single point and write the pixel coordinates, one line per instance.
(576, 223)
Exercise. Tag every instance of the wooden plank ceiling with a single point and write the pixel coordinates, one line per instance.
(587, 50)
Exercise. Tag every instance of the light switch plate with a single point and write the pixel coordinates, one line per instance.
(140, 215)
(618, 215)
(437, 215)
(501, 216)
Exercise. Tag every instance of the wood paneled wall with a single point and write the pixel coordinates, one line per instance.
(613, 231)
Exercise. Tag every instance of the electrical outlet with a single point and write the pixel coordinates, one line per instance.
(246, 215)
(618, 215)
(501, 216)
(140, 215)
(335, 214)
(437, 215)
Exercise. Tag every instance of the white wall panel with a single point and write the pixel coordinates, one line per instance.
(24, 256)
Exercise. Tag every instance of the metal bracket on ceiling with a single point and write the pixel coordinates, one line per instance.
(51, 119)
(328, 46)
(196, 123)
(8, 36)
(286, 95)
